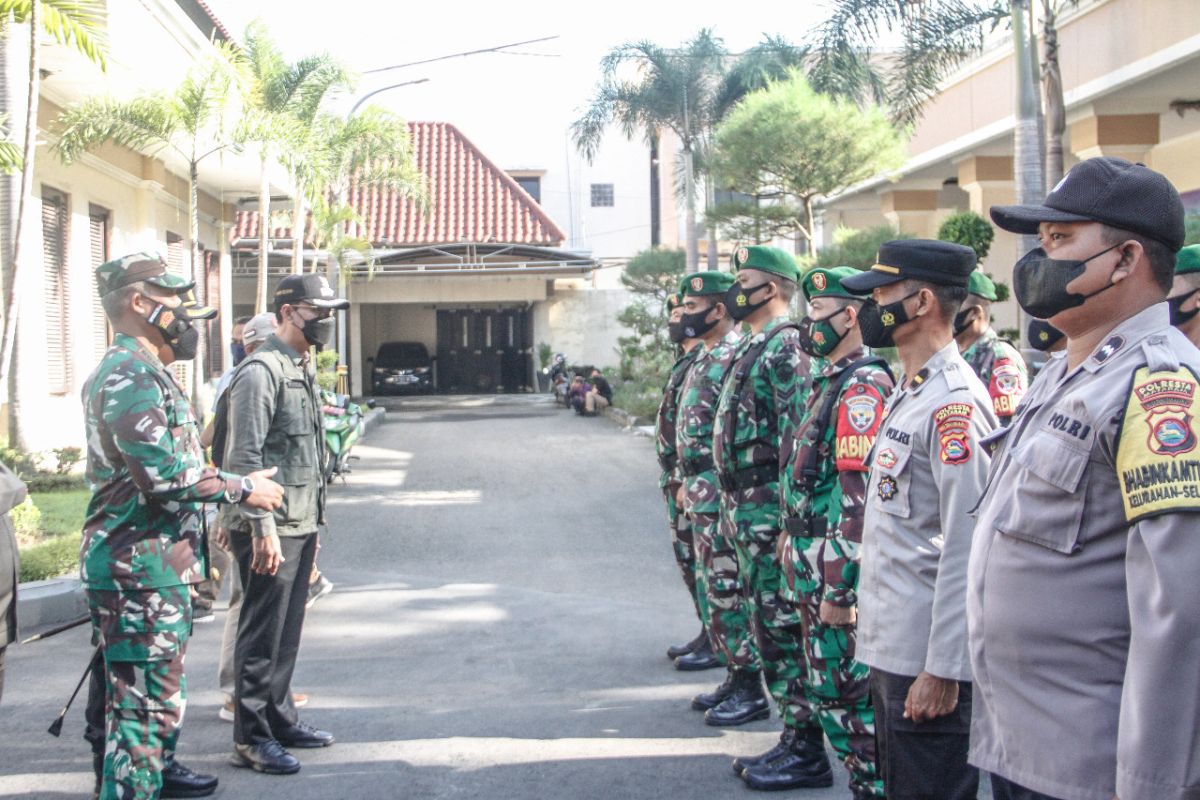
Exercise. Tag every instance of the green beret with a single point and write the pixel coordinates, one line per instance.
(673, 301)
(137, 267)
(981, 285)
(701, 283)
(822, 282)
(1188, 260)
(766, 259)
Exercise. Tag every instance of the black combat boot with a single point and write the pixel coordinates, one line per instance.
(746, 703)
(98, 769)
(703, 657)
(804, 766)
(784, 745)
(707, 700)
(677, 650)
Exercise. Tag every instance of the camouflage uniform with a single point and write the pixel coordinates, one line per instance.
(142, 545)
(752, 440)
(718, 584)
(824, 519)
(669, 480)
(1002, 370)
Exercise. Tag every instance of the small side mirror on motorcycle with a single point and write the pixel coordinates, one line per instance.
(370, 402)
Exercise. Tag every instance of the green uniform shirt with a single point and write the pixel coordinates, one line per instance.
(147, 473)
(1002, 370)
(664, 422)
(696, 420)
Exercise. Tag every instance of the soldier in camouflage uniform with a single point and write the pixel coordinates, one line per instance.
(669, 482)
(716, 558)
(995, 361)
(757, 411)
(142, 549)
(823, 500)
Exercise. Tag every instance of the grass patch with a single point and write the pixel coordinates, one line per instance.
(54, 550)
(54, 557)
(62, 512)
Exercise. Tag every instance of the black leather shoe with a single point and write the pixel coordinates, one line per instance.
(268, 757)
(677, 650)
(179, 781)
(703, 657)
(746, 703)
(707, 700)
(804, 766)
(98, 771)
(304, 736)
(742, 763)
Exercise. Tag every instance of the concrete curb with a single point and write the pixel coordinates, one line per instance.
(49, 602)
(373, 419)
(628, 421)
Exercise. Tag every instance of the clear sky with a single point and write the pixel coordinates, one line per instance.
(513, 107)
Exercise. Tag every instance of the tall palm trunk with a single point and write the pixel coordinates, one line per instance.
(1027, 150)
(709, 202)
(264, 235)
(299, 228)
(1056, 113)
(9, 361)
(689, 188)
(197, 274)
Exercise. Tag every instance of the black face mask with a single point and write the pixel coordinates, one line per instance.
(1040, 282)
(737, 300)
(1178, 315)
(877, 322)
(178, 330)
(962, 320)
(1042, 335)
(675, 332)
(695, 326)
(317, 332)
(237, 352)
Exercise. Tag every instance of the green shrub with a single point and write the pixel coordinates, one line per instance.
(970, 229)
(545, 353)
(1191, 230)
(58, 556)
(25, 465)
(27, 521)
(639, 397)
(66, 458)
(49, 482)
(856, 248)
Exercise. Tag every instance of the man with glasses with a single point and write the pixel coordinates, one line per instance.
(275, 418)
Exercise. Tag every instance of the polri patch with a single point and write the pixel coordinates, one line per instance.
(953, 423)
(1156, 450)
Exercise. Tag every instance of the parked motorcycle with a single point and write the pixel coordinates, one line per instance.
(559, 375)
(343, 421)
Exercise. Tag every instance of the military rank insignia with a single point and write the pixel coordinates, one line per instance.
(1109, 349)
(887, 488)
(1156, 451)
(818, 280)
(953, 423)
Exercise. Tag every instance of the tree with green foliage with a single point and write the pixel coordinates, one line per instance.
(856, 248)
(651, 275)
(790, 145)
(970, 229)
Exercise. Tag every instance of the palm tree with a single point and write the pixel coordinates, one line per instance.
(283, 102)
(80, 24)
(194, 122)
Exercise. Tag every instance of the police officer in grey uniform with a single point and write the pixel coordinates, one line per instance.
(1084, 600)
(927, 472)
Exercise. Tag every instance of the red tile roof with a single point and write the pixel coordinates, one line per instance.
(470, 199)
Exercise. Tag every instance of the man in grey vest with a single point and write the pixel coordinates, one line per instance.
(275, 418)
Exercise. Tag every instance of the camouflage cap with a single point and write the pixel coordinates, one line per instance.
(766, 259)
(827, 282)
(130, 269)
(981, 285)
(1188, 260)
(702, 283)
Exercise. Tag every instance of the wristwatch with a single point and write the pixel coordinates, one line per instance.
(246, 488)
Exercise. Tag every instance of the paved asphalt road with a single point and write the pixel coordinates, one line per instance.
(504, 594)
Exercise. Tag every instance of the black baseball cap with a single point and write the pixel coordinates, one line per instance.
(1109, 190)
(927, 260)
(307, 288)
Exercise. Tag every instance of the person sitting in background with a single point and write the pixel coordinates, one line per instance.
(578, 393)
(600, 395)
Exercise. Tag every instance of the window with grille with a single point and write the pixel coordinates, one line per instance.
(56, 290)
(98, 221)
(602, 194)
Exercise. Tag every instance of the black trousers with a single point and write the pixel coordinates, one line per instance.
(1004, 789)
(96, 731)
(926, 760)
(268, 637)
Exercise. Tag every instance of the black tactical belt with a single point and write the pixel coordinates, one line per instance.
(806, 527)
(690, 467)
(750, 477)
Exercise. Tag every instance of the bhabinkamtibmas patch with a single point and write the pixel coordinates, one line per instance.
(1157, 460)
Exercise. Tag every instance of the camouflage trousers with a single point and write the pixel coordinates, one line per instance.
(838, 684)
(683, 545)
(750, 518)
(143, 635)
(726, 613)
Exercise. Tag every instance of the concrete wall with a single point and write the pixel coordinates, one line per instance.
(581, 323)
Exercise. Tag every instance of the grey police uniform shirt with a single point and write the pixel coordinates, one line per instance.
(927, 472)
(1085, 627)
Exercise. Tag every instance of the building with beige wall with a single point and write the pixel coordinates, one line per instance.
(1126, 65)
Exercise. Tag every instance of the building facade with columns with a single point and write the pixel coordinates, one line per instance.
(1131, 85)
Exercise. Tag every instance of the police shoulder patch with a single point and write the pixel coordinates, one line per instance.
(1006, 386)
(1157, 462)
(859, 414)
(953, 423)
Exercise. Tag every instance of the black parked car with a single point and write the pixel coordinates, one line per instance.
(402, 368)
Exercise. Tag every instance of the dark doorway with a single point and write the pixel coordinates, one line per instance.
(484, 350)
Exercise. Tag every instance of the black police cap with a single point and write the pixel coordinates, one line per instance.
(926, 260)
(1111, 191)
(309, 288)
